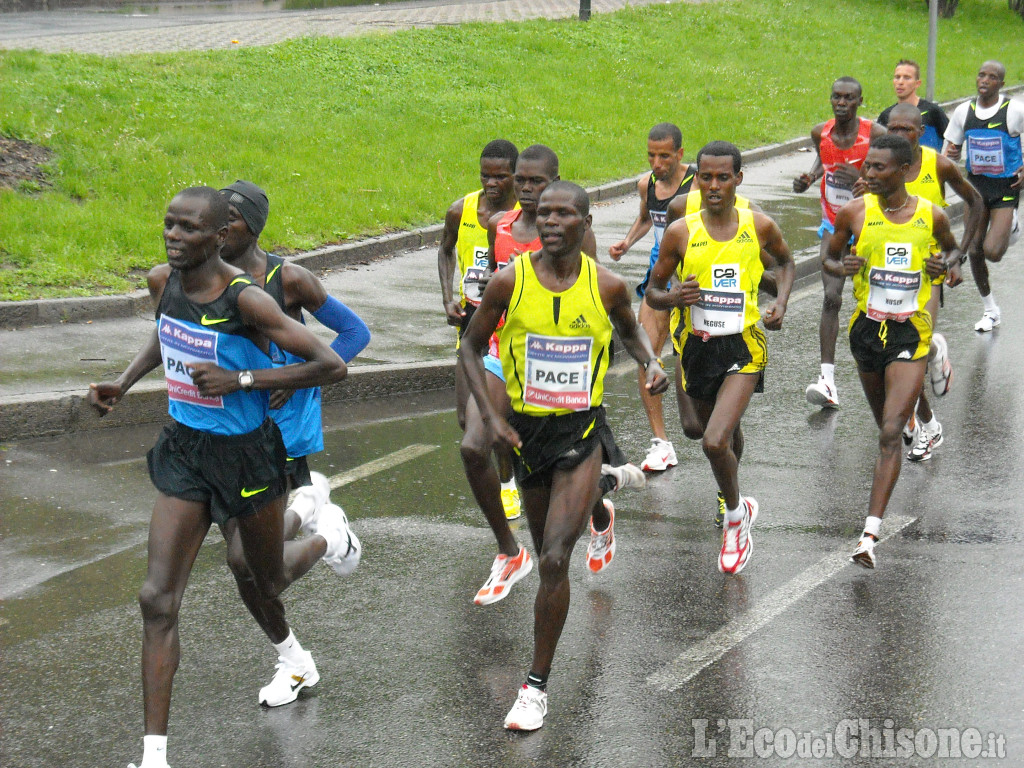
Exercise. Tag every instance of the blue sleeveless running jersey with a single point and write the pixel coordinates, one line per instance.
(209, 333)
(991, 150)
(299, 419)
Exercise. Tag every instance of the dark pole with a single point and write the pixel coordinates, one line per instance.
(584, 10)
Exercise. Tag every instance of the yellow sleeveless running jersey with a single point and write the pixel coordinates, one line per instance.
(729, 274)
(893, 284)
(927, 184)
(471, 249)
(554, 346)
(693, 201)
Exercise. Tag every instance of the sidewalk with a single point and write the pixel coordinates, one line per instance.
(112, 34)
(47, 368)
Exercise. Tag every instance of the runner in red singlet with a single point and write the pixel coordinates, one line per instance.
(841, 145)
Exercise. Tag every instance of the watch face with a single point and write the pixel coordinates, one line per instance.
(245, 379)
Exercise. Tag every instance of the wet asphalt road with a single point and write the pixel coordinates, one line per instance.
(659, 653)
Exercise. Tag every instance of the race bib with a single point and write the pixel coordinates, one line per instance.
(722, 308)
(181, 346)
(985, 155)
(558, 372)
(894, 288)
(471, 278)
(837, 195)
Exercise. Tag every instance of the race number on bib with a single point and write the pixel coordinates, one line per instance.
(894, 288)
(985, 155)
(181, 346)
(471, 279)
(722, 308)
(836, 194)
(558, 372)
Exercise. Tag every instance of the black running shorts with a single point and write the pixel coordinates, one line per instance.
(560, 442)
(996, 192)
(875, 344)
(707, 363)
(297, 470)
(235, 475)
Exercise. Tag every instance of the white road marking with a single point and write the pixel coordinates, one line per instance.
(705, 653)
(401, 456)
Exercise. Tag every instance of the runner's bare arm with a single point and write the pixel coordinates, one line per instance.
(837, 260)
(641, 226)
(616, 300)
(105, 395)
(670, 254)
(474, 346)
(776, 255)
(446, 261)
(949, 260)
(260, 312)
(974, 205)
(804, 181)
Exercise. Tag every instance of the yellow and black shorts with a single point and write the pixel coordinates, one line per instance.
(875, 344)
(705, 364)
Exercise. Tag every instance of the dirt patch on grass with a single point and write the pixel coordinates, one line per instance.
(20, 163)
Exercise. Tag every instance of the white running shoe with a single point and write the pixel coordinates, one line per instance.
(527, 714)
(505, 572)
(737, 545)
(601, 548)
(988, 321)
(927, 441)
(626, 476)
(910, 430)
(940, 370)
(822, 394)
(343, 547)
(309, 500)
(864, 554)
(289, 680)
(660, 457)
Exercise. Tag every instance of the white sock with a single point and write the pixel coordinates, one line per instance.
(154, 752)
(931, 426)
(828, 373)
(304, 506)
(510, 485)
(734, 515)
(290, 650)
(990, 303)
(873, 525)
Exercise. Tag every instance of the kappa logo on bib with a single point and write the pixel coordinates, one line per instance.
(893, 289)
(181, 346)
(558, 372)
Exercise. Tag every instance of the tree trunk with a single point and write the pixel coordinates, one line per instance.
(948, 7)
(1017, 6)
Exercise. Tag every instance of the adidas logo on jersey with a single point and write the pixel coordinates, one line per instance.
(579, 324)
(927, 179)
(920, 223)
(744, 238)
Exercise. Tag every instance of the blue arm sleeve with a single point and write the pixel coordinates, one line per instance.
(353, 334)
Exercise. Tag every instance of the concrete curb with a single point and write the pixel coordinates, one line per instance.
(22, 314)
(57, 413)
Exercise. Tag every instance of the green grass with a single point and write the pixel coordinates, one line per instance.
(357, 136)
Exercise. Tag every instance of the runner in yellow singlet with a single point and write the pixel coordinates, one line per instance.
(560, 310)
(718, 255)
(890, 332)
(928, 177)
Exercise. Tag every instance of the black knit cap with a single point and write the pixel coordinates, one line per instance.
(251, 202)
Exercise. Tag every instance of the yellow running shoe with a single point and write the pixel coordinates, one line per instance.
(510, 501)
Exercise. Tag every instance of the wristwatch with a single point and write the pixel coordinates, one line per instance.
(246, 380)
